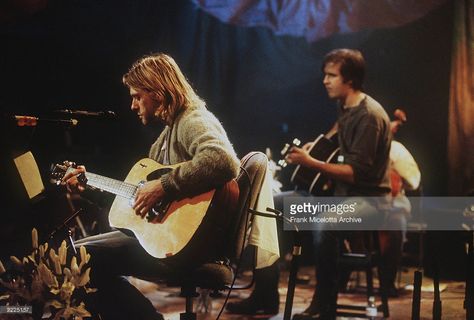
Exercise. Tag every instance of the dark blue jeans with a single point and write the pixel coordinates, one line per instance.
(115, 255)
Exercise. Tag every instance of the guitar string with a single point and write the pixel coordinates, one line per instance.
(124, 189)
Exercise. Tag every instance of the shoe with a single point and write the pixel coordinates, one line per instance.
(311, 313)
(303, 279)
(317, 316)
(392, 292)
(250, 306)
(306, 316)
(156, 316)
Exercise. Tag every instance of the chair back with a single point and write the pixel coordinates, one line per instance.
(250, 180)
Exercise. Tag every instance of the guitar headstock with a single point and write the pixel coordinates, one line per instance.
(286, 149)
(400, 117)
(58, 171)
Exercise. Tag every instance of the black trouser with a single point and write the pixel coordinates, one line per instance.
(327, 251)
(328, 241)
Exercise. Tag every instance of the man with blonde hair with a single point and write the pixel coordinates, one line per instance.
(193, 137)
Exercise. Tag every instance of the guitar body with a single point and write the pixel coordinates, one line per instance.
(326, 149)
(170, 236)
(313, 181)
(194, 228)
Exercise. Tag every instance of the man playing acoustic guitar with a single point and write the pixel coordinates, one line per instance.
(364, 140)
(195, 139)
(363, 169)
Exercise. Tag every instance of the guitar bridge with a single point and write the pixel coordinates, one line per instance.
(157, 214)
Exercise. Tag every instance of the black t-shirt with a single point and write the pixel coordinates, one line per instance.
(364, 138)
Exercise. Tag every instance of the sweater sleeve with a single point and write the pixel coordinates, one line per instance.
(212, 158)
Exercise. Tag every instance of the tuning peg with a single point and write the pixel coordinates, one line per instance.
(284, 151)
(68, 163)
(297, 142)
(282, 163)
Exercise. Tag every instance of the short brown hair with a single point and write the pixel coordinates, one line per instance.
(352, 65)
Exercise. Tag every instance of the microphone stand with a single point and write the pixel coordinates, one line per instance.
(415, 307)
(437, 304)
(31, 121)
(296, 254)
(469, 291)
(65, 227)
(295, 262)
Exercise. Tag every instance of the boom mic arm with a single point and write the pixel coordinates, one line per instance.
(31, 121)
(91, 114)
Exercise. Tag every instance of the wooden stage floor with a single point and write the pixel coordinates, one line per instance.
(167, 301)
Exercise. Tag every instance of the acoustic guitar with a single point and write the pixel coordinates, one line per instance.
(171, 225)
(323, 148)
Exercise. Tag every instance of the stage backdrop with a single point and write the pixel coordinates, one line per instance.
(265, 87)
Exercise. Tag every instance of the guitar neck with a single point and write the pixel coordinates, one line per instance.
(117, 187)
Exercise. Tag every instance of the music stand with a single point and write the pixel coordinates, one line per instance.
(30, 176)
(32, 183)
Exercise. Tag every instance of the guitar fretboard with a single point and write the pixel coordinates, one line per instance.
(117, 187)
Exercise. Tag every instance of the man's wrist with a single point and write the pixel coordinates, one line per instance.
(166, 185)
(316, 164)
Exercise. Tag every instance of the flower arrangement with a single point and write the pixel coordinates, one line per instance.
(48, 282)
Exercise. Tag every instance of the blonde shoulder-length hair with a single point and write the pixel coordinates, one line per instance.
(160, 75)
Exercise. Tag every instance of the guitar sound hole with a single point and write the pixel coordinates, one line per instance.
(157, 173)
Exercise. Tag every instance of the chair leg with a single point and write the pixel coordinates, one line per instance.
(370, 282)
(189, 314)
(383, 293)
(189, 294)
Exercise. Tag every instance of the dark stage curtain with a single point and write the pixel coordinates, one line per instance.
(265, 88)
(461, 102)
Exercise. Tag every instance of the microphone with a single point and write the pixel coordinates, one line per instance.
(30, 121)
(91, 114)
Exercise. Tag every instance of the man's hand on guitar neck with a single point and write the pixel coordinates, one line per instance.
(147, 196)
(296, 154)
(308, 145)
(300, 155)
(72, 182)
